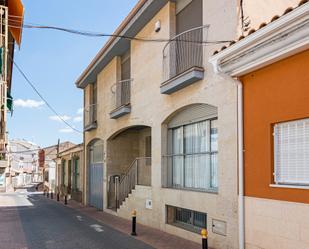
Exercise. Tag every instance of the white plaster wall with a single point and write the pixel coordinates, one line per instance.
(273, 224)
(52, 175)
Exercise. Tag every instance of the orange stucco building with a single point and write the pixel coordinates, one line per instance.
(276, 93)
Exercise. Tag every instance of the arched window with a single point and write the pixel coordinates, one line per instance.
(192, 148)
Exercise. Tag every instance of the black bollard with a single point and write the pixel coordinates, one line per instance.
(58, 196)
(133, 233)
(65, 200)
(47, 194)
(44, 192)
(51, 195)
(204, 234)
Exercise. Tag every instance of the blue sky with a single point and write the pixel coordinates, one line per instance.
(53, 61)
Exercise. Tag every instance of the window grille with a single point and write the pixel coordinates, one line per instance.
(187, 219)
(291, 149)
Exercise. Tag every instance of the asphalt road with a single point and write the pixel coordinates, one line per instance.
(31, 221)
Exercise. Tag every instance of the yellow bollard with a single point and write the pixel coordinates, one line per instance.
(204, 234)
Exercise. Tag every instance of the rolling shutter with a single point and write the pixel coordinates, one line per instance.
(291, 147)
(189, 15)
(193, 114)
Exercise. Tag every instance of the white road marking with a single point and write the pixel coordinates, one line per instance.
(97, 228)
(80, 218)
(32, 199)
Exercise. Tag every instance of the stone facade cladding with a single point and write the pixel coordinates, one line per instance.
(151, 108)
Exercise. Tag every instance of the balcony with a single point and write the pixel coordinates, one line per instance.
(183, 60)
(121, 99)
(90, 117)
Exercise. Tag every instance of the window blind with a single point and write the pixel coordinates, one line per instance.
(291, 148)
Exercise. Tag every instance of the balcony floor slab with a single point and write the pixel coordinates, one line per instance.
(120, 111)
(90, 126)
(182, 80)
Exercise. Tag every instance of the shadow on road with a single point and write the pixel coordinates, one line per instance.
(51, 225)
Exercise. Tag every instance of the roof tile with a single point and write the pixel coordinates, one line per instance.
(262, 25)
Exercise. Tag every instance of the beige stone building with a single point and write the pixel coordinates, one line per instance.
(49, 169)
(160, 129)
(70, 172)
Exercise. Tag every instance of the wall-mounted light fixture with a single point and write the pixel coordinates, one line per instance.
(158, 26)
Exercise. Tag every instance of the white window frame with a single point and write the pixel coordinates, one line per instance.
(283, 179)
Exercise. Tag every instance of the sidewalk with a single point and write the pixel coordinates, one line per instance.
(150, 236)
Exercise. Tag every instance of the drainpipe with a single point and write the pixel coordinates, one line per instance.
(241, 213)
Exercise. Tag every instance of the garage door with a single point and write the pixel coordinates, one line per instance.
(96, 185)
(96, 175)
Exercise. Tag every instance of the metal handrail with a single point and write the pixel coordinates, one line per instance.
(128, 170)
(127, 182)
(183, 52)
(131, 166)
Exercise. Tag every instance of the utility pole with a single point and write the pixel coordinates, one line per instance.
(58, 147)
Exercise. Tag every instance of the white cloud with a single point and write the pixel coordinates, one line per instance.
(66, 130)
(78, 119)
(28, 103)
(80, 111)
(60, 118)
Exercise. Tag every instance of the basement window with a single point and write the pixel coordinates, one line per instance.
(291, 153)
(187, 219)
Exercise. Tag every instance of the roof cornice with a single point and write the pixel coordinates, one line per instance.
(132, 24)
(76, 148)
(279, 39)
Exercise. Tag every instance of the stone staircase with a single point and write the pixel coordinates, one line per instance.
(137, 200)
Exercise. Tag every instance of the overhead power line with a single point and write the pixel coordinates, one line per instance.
(41, 96)
(95, 34)
(15, 23)
(18, 24)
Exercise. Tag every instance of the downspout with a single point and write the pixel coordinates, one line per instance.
(241, 213)
(240, 137)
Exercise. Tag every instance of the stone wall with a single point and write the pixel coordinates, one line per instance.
(151, 108)
(272, 224)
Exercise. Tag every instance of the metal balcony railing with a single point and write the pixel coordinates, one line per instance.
(90, 115)
(183, 52)
(121, 93)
